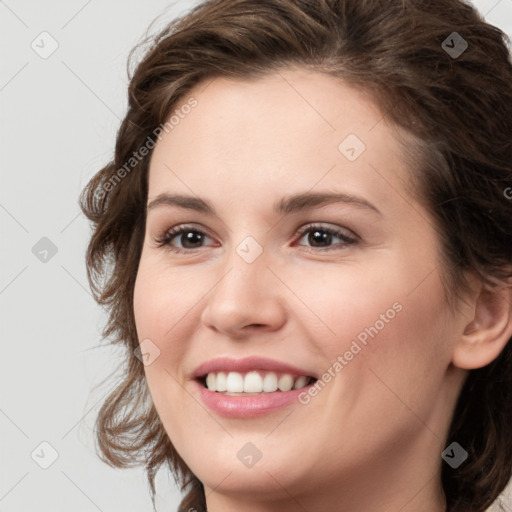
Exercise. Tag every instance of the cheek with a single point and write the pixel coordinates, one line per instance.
(365, 303)
(385, 325)
(160, 311)
(404, 350)
(162, 297)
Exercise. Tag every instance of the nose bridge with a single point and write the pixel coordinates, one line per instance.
(244, 294)
(245, 270)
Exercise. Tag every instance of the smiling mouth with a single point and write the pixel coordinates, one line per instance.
(254, 382)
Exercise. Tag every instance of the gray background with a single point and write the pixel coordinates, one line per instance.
(59, 117)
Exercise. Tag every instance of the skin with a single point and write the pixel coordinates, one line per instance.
(372, 438)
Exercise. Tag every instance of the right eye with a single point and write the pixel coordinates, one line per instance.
(189, 237)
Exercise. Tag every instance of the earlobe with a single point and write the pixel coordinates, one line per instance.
(487, 333)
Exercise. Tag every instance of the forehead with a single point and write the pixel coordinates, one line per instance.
(290, 130)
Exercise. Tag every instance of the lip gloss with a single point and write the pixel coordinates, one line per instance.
(247, 406)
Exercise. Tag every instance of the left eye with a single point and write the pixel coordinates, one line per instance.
(324, 235)
(192, 238)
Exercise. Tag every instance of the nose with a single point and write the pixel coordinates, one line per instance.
(245, 298)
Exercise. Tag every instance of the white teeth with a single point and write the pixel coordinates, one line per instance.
(211, 381)
(270, 382)
(299, 383)
(285, 383)
(253, 382)
(221, 382)
(235, 382)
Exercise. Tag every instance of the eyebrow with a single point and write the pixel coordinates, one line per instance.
(286, 205)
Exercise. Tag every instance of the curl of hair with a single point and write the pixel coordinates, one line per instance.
(457, 117)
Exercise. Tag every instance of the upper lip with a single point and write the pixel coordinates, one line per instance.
(227, 364)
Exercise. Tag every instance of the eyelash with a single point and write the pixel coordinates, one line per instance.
(168, 236)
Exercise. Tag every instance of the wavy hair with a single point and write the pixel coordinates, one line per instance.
(458, 110)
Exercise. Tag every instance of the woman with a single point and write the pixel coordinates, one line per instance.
(305, 244)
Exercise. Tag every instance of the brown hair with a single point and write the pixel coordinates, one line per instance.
(459, 111)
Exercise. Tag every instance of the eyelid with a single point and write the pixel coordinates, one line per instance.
(338, 230)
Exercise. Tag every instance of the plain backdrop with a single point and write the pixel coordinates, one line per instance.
(59, 117)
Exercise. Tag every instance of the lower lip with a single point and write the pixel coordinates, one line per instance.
(247, 406)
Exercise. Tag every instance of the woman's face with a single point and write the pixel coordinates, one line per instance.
(346, 290)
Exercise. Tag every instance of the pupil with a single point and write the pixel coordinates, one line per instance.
(319, 237)
(189, 238)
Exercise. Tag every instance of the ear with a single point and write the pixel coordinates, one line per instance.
(489, 329)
